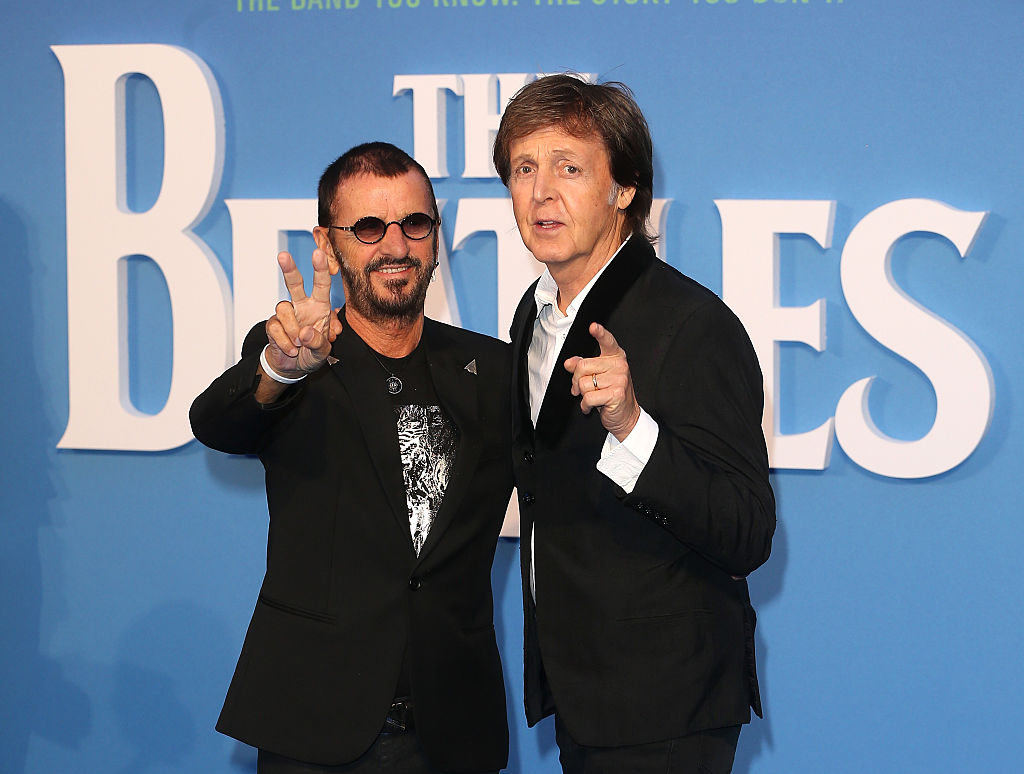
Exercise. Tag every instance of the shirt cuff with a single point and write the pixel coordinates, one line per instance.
(624, 462)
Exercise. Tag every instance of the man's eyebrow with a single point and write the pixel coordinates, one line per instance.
(560, 153)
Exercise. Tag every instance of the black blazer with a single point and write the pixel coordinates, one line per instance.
(639, 632)
(344, 591)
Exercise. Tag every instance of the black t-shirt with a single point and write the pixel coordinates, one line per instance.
(427, 442)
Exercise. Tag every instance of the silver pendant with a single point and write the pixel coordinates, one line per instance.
(394, 385)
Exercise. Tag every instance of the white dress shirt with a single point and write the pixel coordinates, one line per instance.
(622, 462)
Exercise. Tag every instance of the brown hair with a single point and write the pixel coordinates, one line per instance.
(371, 158)
(581, 109)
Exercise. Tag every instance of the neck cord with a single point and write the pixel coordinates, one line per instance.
(393, 383)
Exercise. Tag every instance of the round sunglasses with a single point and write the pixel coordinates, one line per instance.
(370, 230)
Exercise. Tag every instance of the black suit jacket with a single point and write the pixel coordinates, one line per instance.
(639, 632)
(344, 591)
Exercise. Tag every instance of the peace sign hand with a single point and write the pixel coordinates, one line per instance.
(301, 331)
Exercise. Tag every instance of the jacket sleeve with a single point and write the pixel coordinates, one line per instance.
(227, 417)
(707, 479)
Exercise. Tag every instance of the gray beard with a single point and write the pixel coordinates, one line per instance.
(394, 307)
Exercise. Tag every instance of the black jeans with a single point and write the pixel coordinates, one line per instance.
(706, 752)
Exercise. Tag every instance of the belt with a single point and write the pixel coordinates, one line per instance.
(399, 719)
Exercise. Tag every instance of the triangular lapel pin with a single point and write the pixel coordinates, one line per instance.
(471, 366)
(331, 360)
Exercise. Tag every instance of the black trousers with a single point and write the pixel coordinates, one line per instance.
(389, 754)
(706, 752)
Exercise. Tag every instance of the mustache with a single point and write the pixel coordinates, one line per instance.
(386, 261)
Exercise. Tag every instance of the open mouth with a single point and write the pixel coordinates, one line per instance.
(392, 267)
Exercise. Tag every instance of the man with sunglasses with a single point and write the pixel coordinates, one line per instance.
(385, 437)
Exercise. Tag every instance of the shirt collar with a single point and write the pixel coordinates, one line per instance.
(546, 291)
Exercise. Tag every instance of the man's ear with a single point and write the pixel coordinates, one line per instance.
(625, 197)
(322, 237)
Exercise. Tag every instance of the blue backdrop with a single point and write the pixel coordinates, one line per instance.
(890, 623)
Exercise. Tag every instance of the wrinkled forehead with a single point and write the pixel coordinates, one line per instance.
(365, 194)
(554, 143)
(578, 125)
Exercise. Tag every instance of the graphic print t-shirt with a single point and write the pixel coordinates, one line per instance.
(427, 440)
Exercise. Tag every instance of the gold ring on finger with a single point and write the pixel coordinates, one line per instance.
(593, 378)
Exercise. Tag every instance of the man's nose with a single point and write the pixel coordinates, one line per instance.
(394, 239)
(543, 186)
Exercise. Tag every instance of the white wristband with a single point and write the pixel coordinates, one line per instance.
(274, 374)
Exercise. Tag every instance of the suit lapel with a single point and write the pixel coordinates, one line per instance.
(521, 333)
(456, 384)
(363, 379)
(598, 306)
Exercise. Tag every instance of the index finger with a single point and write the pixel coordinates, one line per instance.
(292, 277)
(607, 342)
(321, 278)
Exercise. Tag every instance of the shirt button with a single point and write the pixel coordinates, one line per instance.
(528, 499)
(528, 457)
(415, 583)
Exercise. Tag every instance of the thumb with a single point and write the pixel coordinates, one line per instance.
(312, 339)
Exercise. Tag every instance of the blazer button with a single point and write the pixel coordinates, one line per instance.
(415, 583)
(528, 499)
(528, 457)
